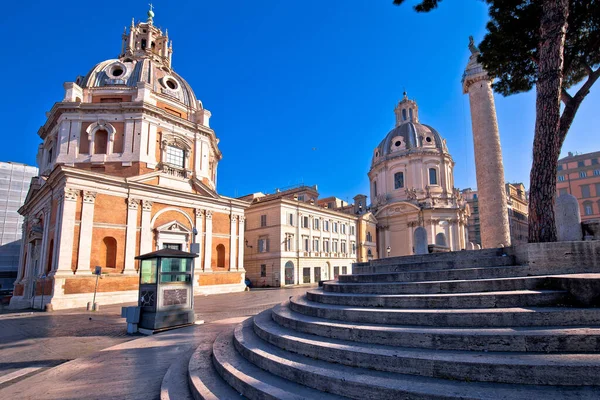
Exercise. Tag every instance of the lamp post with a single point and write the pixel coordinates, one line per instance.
(389, 249)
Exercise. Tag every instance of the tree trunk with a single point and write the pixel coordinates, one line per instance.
(546, 143)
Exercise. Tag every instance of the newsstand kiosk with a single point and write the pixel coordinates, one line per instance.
(166, 293)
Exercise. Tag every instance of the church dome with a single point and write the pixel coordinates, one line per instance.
(409, 135)
(129, 72)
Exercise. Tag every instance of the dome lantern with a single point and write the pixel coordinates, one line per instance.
(406, 111)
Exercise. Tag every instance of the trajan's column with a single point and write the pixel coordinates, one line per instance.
(495, 231)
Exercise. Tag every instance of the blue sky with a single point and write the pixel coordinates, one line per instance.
(282, 78)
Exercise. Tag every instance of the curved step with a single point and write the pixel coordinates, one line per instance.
(254, 382)
(429, 263)
(514, 298)
(501, 367)
(174, 385)
(438, 275)
(482, 317)
(547, 339)
(430, 287)
(361, 383)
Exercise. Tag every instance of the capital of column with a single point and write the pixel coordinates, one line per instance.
(89, 196)
(199, 213)
(241, 218)
(209, 214)
(133, 204)
(234, 217)
(71, 194)
(147, 205)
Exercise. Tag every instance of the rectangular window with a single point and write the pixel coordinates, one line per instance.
(330, 205)
(344, 228)
(289, 239)
(353, 248)
(315, 245)
(580, 164)
(305, 222)
(175, 156)
(565, 191)
(263, 245)
(291, 219)
(433, 176)
(336, 272)
(301, 197)
(352, 230)
(335, 246)
(597, 172)
(582, 174)
(344, 270)
(374, 189)
(561, 178)
(306, 275)
(335, 227)
(316, 223)
(326, 225)
(326, 246)
(597, 189)
(343, 246)
(585, 191)
(398, 180)
(263, 270)
(306, 243)
(263, 221)
(587, 209)
(560, 167)
(594, 161)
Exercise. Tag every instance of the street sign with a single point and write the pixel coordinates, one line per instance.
(98, 270)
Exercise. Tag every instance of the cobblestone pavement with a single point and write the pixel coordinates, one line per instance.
(31, 342)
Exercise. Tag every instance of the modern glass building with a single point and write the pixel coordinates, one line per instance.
(14, 184)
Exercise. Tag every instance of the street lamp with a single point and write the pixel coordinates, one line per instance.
(389, 249)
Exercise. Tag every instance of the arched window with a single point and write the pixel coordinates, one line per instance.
(369, 237)
(100, 142)
(220, 256)
(108, 252)
(144, 44)
(289, 273)
(410, 113)
(404, 114)
(433, 180)
(374, 189)
(588, 208)
(398, 180)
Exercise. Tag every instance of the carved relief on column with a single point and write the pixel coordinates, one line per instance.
(133, 204)
(89, 196)
(147, 205)
(71, 194)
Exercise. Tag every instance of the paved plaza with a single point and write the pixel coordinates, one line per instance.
(35, 348)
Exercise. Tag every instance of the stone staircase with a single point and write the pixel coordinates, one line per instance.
(486, 324)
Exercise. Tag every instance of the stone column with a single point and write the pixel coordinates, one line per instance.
(146, 234)
(232, 243)
(493, 211)
(208, 242)
(131, 235)
(45, 234)
(66, 225)
(85, 231)
(198, 238)
(22, 251)
(240, 264)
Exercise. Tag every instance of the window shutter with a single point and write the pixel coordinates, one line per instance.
(267, 245)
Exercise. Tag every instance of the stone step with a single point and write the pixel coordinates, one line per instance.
(501, 367)
(252, 381)
(514, 298)
(448, 256)
(361, 383)
(516, 339)
(174, 385)
(203, 380)
(439, 275)
(431, 287)
(435, 265)
(483, 317)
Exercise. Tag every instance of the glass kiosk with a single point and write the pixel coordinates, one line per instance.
(166, 296)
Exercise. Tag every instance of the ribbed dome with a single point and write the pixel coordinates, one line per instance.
(128, 72)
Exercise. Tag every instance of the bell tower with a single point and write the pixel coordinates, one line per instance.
(495, 230)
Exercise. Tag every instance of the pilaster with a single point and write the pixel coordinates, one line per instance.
(146, 234)
(208, 242)
(66, 221)
(131, 235)
(232, 242)
(241, 223)
(86, 228)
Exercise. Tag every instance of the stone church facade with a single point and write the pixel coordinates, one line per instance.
(128, 165)
(412, 185)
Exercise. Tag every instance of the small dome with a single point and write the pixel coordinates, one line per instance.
(128, 72)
